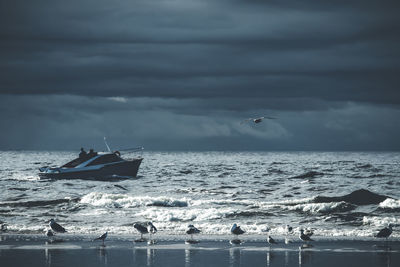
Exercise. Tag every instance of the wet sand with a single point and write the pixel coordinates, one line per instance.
(26, 250)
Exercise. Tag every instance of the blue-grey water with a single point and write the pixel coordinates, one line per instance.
(211, 190)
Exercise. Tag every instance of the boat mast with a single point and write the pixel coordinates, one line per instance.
(105, 141)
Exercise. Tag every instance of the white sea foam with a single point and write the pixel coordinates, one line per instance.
(126, 201)
(380, 221)
(321, 207)
(183, 215)
(390, 203)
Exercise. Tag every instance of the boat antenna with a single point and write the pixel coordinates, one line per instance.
(105, 141)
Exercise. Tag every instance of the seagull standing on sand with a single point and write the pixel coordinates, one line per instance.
(192, 230)
(151, 229)
(289, 231)
(102, 237)
(142, 230)
(49, 233)
(271, 240)
(304, 236)
(385, 232)
(56, 227)
(236, 230)
(257, 120)
(309, 232)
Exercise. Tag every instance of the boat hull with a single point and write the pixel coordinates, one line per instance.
(115, 171)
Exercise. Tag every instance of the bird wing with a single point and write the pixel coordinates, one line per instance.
(246, 120)
(268, 117)
(140, 228)
(273, 241)
(103, 236)
(58, 228)
(383, 233)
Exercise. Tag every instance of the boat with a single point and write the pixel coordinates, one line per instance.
(100, 166)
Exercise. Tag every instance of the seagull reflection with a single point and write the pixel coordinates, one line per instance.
(103, 255)
(384, 256)
(270, 257)
(304, 256)
(52, 255)
(47, 256)
(189, 252)
(140, 256)
(234, 257)
(150, 257)
(286, 258)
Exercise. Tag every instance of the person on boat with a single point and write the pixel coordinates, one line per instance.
(91, 153)
(83, 153)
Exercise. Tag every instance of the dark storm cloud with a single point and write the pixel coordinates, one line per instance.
(346, 51)
(69, 122)
(192, 70)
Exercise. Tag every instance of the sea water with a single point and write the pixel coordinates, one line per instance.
(211, 190)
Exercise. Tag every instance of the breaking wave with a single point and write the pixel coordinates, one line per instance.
(380, 221)
(323, 207)
(122, 200)
(390, 203)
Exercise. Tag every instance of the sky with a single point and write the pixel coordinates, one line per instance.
(184, 74)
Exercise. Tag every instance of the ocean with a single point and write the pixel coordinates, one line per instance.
(211, 190)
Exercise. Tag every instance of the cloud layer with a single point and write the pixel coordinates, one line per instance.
(183, 74)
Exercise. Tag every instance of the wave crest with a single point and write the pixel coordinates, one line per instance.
(323, 207)
(390, 203)
(126, 201)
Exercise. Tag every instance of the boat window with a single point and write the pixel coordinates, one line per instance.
(105, 159)
(74, 163)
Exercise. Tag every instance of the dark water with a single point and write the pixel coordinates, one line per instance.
(211, 190)
(124, 253)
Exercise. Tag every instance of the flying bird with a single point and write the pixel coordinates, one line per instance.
(56, 227)
(385, 232)
(257, 120)
(102, 237)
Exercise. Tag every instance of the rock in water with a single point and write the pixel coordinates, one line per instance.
(358, 197)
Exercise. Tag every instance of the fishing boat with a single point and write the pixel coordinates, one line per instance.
(98, 166)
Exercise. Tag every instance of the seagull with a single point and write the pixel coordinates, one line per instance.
(304, 237)
(289, 229)
(309, 232)
(152, 230)
(3, 227)
(102, 237)
(49, 233)
(142, 230)
(56, 227)
(257, 120)
(385, 232)
(192, 230)
(236, 230)
(271, 240)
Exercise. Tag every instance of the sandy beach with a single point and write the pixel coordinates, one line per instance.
(33, 250)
